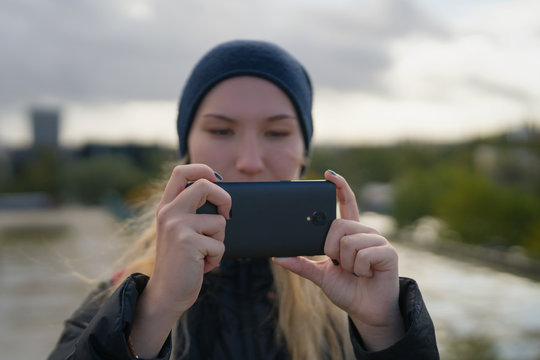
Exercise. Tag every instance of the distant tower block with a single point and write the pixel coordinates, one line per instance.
(46, 126)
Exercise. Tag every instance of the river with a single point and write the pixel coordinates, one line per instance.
(47, 259)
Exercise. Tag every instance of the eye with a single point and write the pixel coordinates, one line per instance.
(277, 133)
(220, 132)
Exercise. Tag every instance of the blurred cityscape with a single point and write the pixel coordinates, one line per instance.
(484, 191)
(47, 174)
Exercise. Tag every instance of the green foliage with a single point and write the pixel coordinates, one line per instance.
(531, 239)
(417, 192)
(493, 203)
(480, 210)
(94, 179)
(361, 165)
(486, 213)
(41, 174)
(107, 178)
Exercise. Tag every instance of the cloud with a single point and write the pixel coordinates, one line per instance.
(373, 59)
(98, 50)
(500, 90)
(480, 80)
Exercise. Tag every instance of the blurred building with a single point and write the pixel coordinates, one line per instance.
(5, 166)
(45, 123)
(46, 127)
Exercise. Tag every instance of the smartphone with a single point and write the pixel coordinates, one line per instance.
(277, 218)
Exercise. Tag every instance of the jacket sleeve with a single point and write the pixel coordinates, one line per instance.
(99, 328)
(419, 342)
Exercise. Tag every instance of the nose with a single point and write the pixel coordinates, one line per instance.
(249, 159)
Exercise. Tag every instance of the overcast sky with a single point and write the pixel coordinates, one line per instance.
(384, 70)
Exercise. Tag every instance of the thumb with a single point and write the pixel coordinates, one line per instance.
(311, 270)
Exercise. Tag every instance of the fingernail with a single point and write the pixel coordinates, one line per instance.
(333, 172)
(335, 262)
(219, 177)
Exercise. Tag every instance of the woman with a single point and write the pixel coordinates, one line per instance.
(245, 115)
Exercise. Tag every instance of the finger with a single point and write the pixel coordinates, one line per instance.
(340, 228)
(198, 193)
(351, 244)
(309, 269)
(180, 177)
(210, 252)
(375, 259)
(207, 224)
(347, 201)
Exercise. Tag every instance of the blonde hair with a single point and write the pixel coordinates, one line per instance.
(310, 325)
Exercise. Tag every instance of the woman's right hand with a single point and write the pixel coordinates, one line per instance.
(188, 245)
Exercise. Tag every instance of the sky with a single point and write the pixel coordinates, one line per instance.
(383, 70)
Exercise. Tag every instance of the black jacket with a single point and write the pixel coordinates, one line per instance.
(233, 318)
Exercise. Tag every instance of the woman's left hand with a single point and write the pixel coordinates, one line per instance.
(361, 274)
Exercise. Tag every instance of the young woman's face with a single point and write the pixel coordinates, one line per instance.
(246, 129)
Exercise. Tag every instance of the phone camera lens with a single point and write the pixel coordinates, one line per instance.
(318, 218)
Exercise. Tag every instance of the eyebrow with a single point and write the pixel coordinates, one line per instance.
(220, 117)
(271, 118)
(281, 117)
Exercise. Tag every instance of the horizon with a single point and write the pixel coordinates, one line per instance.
(518, 132)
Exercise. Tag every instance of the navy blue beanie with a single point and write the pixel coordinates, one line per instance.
(246, 57)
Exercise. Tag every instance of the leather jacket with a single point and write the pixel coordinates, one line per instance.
(234, 317)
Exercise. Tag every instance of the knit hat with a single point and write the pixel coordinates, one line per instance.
(246, 57)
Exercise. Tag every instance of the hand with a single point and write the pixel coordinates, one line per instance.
(188, 245)
(361, 274)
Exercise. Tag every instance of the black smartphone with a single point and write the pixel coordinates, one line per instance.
(277, 218)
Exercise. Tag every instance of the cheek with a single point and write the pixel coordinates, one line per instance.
(204, 152)
(287, 160)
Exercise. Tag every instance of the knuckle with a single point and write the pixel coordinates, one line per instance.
(199, 166)
(160, 206)
(175, 226)
(381, 239)
(347, 241)
(361, 256)
(159, 215)
(338, 224)
(373, 230)
(392, 252)
(183, 236)
(171, 225)
(221, 221)
(202, 185)
(162, 214)
(177, 171)
(330, 252)
(221, 247)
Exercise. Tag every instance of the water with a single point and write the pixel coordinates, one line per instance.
(45, 255)
(468, 301)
